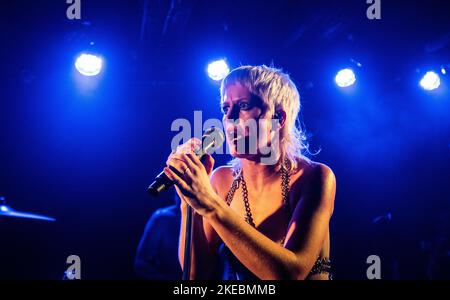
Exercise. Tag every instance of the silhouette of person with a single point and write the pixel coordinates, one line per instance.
(439, 249)
(157, 253)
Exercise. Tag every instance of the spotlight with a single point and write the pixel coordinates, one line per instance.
(430, 81)
(218, 69)
(345, 78)
(88, 64)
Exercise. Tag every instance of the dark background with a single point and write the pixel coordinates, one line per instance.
(83, 150)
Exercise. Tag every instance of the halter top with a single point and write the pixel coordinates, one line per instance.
(232, 269)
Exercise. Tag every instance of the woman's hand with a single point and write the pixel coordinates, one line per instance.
(191, 177)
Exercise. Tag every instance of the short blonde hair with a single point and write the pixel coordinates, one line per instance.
(277, 92)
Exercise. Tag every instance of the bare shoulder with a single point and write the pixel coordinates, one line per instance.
(322, 173)
(320, 184)
(221, 179)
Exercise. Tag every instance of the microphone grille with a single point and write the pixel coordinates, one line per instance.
(213, 136)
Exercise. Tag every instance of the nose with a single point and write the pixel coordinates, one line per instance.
(230, 125)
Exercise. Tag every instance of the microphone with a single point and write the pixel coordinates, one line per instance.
(211, 140)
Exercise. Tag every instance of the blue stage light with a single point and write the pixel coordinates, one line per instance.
(218, 69)
(88, 64)
(430, 81)
(345, 78)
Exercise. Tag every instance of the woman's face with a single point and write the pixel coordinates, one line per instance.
(247, 128)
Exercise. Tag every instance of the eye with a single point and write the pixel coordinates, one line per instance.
(225, 109)
(244, 106)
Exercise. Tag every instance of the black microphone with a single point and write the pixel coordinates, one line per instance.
(211, 140)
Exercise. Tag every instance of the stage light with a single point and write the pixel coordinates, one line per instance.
(88, 64)
(430, 81)
(345, 78)
(443, 71)
(218, 69)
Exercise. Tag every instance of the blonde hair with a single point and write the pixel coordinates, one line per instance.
(277, 92)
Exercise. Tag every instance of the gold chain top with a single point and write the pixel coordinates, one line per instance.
(239, 179)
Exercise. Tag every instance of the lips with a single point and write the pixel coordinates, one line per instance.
(238, 138)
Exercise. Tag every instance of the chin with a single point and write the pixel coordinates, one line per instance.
(236, 154)
(239, 155)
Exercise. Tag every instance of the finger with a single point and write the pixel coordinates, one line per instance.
(209, 163)
(185, 162)
(195, 141)
(189, 145)
(176, 179)
(195, 160)
(189, 163)
(179, 150)
(178, 166)
(170, 156)
(175, 157)
(195, 144)
(183, 149)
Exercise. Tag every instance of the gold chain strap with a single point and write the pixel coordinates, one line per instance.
(239, 178)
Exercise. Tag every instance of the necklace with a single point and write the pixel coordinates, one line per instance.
(322, 265)
(239, 179)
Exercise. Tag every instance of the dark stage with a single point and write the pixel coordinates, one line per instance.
(83, 149)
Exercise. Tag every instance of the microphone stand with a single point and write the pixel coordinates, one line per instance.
(187, 244)
(188, 238)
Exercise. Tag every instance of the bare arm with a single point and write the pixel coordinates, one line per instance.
(307, 231)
